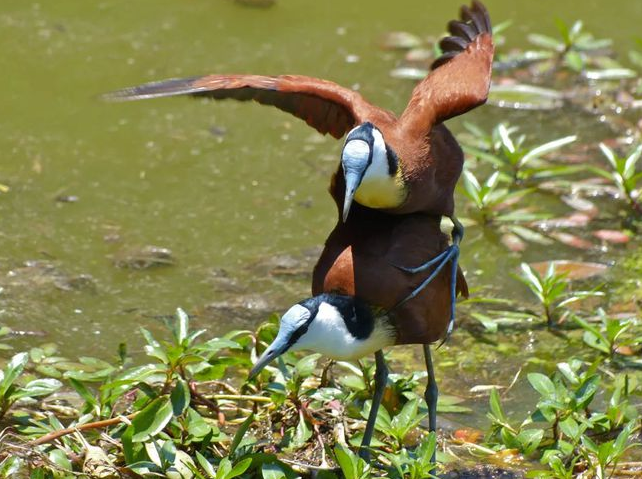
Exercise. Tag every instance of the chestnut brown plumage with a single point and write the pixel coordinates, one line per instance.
(458, 82)
(395, 223)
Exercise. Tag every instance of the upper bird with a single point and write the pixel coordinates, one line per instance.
(403, 164)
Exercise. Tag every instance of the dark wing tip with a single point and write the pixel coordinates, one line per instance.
(475, 21)
(158, 89)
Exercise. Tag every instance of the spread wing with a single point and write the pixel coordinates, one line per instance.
(324, 105)
(460, 77)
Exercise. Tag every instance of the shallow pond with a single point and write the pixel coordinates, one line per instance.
(236, 192)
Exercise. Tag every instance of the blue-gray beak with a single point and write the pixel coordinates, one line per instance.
(355, 159)
(278, 347)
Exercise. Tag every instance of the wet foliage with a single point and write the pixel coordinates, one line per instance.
(184, 409)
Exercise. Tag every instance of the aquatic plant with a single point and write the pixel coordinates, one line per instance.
(623, 174)
(515, 162)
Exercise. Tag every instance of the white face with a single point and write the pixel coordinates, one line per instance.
(378, 168)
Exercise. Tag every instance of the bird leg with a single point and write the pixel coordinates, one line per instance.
(449, 254)
(381, 376)
(431, 394)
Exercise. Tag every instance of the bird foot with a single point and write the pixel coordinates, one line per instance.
(364, 453)
(450, 254)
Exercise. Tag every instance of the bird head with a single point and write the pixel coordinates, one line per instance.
(367, 160)
(293, 326)
(337, 326)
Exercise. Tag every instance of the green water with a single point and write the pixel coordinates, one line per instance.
(227, 187)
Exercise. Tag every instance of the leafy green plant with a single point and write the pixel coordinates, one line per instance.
(11, 389)
(609, 335)
(502, 433)
(398, 427)
(623, 174)
(516, 162)
(414, 464)
(573, 45)
(352, 466)
(551, 290)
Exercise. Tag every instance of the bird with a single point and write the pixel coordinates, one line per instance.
(395, 181)
(397, 164)
(359, 304)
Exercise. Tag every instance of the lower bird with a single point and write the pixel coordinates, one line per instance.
(362, 303)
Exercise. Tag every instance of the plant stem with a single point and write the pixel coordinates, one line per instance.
(82, 427)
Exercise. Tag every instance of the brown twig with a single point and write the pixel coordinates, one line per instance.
(222, 384)
(81, 427)
(213, 405)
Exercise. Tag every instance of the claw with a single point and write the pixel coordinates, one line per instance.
(423, 267)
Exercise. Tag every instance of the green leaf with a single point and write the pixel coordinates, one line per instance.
(224, 467)
(180, 397)
(215, 345)
(60, 459)
(152, 419)
(305, 366)
(12, 371)
(85, 393)
(301, 434)
(575, 61)
(239, 468)
(568, 373)
(205, 464)
(240, 433)
(496, 405)
(272, 470)
(36, 388)
(197, 427)
(546, 148)
(532, 279)
(182, 326)
(347, 461)
(504, 136)
(545, 41)
(542, 384)
(529, 439)
(610, 155)
(570, 427)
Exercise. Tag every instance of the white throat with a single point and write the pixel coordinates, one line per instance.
(378, 189)
(327, 334)
(378, 168)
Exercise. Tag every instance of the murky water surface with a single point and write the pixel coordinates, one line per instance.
(237, 192)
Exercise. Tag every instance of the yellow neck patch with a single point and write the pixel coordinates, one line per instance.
(382, 192)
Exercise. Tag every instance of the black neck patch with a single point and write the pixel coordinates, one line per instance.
(393, 161)
(356, 314)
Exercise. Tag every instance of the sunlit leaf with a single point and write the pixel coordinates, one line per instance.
(13, 369)
(152, 419)
(542, 384)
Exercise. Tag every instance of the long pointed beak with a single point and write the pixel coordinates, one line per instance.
(354, 159)
(278, 347)
(353, 180)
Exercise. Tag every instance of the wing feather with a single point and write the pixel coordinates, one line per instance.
(324, 105)
(460, 77)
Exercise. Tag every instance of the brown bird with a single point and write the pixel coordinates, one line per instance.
(400, 165)
(364, 303)
(401, 173)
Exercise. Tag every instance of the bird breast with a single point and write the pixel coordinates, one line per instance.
(327, 334)
(381, 192)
